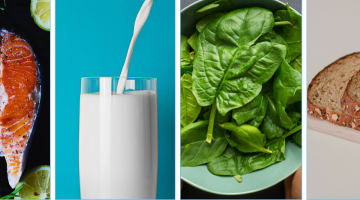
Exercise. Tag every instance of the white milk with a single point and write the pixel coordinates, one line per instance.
(118, 153)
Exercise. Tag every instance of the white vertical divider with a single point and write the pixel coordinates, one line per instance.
(105, 137)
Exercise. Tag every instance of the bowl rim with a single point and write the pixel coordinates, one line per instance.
(238, 193)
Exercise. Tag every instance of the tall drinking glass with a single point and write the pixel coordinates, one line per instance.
(118, 140)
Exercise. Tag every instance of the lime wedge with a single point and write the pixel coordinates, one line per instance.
(40, 11)
(36, 183)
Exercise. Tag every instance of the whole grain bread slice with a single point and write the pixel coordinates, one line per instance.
(326, 90)
(351, 98)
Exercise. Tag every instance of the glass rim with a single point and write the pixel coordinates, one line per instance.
(96, 77)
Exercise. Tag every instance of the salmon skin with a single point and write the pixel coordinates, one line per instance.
(19, 101)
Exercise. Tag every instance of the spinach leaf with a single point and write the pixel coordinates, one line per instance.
(206, 20)
(186, 60)
(193, 40)
(292, 131)
(186, 70)
(271, 123)
(287, 90)
(184, 44)
(245, 138)
(297, 138)
(241, 82)
(271, 36)
(190, 109)
(255, 111)
(294, 117)
(195, 150)
(217, 6)
(296, 64)
(233, 162)
(291, 34)
(225, 68)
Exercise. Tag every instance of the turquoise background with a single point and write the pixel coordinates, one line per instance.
(92, 38)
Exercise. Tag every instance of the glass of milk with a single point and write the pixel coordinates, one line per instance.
(118, 140)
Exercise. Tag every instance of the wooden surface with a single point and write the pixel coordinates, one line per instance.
(332, 129)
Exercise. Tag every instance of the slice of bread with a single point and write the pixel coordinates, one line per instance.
(351, 98)
(326, 90)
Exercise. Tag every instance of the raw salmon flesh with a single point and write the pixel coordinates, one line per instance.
(19, 101)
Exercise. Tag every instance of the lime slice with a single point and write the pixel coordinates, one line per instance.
(40, 11)
(36, 183)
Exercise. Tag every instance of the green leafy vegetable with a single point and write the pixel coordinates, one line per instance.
(186, 60)
(245, 138)
(195, 150)
(206, 20)
(184, 44)
(255, 111)
(271, 36)
(235, 72)
(292, 131)
(233, 162)
(190, 109)
(243, 63)
(297, 138)
(234, 75)
(287, 90)
(296, 64)
(271, 123)
(193, 40)
(217, 6)
(291, 34)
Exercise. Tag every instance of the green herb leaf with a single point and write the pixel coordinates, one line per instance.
(186, 60)
(271, 123)
(217, 6)
(255, 111)
(234, 75)
(297, 138)
(193, 40)
(190, 109)
(206, 20)
(287, 90)
(292, 131)
(291, 34)
(194, 148)
(245, 138)
(233, 162)
(296, 64)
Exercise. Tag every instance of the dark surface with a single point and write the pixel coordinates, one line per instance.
(16, 17)
(275, 192)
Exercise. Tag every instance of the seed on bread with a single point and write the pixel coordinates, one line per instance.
(335, 117)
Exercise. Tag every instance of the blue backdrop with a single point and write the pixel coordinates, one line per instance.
(92, 38)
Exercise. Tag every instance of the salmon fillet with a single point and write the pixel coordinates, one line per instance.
(19, 101)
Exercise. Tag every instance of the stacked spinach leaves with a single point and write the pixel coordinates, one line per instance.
(240, 88)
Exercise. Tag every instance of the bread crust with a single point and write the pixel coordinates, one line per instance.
(350, 105)
(342, 119)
